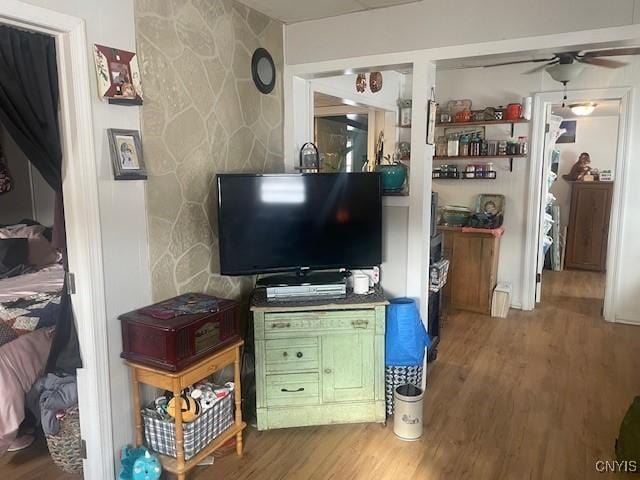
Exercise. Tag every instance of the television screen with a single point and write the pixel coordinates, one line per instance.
(275, 223)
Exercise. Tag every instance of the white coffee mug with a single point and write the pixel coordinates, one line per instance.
(360, 284)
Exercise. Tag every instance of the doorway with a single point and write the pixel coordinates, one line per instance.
(82, 216)
(579, 150)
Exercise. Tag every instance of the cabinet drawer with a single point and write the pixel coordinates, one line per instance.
(293, 389)
(279, 325)
(291, 354)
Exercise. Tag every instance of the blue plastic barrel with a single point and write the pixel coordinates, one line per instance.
(406, 337)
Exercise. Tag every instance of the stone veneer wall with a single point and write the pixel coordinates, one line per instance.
(202, 115)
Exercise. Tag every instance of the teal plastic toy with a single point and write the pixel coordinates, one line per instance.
(139, 464)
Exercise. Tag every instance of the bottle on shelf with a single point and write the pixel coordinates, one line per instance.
(523, 147)
(464, 146)
(453, 146)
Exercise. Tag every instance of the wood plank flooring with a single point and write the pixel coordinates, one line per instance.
(539, 395)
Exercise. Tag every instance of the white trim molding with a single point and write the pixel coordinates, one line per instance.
(540, 104)
(82, 214)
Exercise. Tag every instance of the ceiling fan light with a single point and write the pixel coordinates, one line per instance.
(565, 72)
(583, 109)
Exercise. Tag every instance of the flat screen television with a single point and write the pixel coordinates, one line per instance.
(299, 222)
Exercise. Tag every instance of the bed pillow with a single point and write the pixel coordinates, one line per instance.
(41, 252)
(14, 256)
(21, 230)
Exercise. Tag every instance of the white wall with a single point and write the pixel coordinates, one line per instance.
(599, 137)
(122, 204)
(344, 86)
(432, 23)
(500, 86)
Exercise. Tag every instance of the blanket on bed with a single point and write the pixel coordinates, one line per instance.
(31, 313)
(22, 362)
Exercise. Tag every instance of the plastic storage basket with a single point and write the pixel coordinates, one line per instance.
(160, 435)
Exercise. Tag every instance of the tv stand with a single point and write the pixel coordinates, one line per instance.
(305, 285)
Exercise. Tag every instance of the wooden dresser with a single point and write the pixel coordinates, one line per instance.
(473, 269)
(319, 363)
(588, 230)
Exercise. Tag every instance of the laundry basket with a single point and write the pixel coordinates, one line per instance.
(65, 447)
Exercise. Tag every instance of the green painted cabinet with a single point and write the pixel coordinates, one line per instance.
(319, 364)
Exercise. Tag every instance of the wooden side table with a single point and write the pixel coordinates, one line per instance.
(178, 381)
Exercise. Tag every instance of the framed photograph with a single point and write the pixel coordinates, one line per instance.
(432, 106)
(126, 154)
(118, 75)
(570, 135)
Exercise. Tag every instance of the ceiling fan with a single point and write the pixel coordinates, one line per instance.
(566, 66)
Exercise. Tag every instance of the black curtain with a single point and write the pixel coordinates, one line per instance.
(29, 111)
(29, 99)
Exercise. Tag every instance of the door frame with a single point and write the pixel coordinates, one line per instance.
(620, 187)
(83, 231)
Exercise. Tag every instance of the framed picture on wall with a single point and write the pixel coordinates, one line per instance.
(126, 154)
(570, 135)
(118, 75)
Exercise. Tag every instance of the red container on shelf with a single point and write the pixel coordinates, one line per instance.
(513, 111)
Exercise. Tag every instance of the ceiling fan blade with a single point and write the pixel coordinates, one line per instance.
(521, 61)
(602, 62)
(612, 52)
(539, 68)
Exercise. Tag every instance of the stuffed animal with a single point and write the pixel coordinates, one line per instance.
(205, 395)
(146, 467)
(138, 464)
(579, 169)
(190, 407)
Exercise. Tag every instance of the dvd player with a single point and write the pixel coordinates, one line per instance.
(312, 286)
(306, 292)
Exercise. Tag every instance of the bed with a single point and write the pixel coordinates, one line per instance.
(30, 302)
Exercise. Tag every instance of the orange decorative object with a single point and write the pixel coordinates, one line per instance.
(463, 116)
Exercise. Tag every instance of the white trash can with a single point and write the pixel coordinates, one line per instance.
(407, 420)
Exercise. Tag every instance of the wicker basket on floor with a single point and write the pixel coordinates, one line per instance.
(65, 447)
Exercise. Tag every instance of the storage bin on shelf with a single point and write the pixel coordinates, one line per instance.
(160, 435)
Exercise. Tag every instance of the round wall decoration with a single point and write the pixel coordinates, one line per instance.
(263, 70)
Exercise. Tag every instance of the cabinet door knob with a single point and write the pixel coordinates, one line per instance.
(299, 354)
(327, 370)
(284, 354)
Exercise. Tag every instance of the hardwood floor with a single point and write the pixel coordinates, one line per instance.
(538, 395)
(31, 463)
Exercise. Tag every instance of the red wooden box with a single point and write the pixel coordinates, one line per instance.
(175, 343)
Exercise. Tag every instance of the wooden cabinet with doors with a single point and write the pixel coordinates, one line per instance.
(588, 230)
(319, 363)
(473, 269)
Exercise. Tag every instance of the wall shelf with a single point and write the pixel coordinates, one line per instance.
(477, 157)
(484, 122)
(481, 157)
(462, 177)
